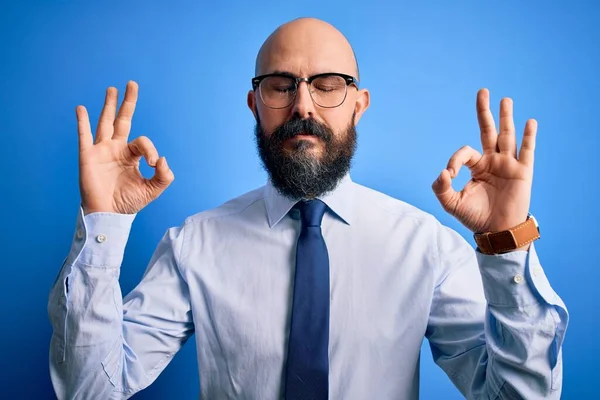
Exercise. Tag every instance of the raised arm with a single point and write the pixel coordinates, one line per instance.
(508, 346)
(104, 346)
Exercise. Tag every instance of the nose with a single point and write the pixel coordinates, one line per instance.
(303, 105)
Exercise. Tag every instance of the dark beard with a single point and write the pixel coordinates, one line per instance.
(298, 174)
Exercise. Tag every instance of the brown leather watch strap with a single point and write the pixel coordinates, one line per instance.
(501, 242)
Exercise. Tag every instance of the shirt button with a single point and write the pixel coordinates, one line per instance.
(79, 233)
(101, 238)
(518, 278)
(537, 271)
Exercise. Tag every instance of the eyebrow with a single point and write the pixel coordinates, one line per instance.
(281, 72)
(287, 73)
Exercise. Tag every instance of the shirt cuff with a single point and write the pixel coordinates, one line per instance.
(515, 279)
(100, 239)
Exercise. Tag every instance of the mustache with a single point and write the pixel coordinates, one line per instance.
(299, 126)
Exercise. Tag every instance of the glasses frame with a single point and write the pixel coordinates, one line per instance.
(350, 80)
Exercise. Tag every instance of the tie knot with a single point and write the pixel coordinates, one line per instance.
(312, 212)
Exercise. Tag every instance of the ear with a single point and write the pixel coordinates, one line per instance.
(363, 99)
(252, 103)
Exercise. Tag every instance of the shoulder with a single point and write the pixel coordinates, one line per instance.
(230, 208)
(392, 207)
(397, 210)
(448, 243)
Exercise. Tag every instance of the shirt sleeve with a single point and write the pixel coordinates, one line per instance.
(103, 345)
(496, 326)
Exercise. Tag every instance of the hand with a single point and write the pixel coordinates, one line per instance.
(498, 195)
(109, 175)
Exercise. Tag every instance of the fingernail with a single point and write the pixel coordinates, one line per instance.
(165, 161)
(451, 172)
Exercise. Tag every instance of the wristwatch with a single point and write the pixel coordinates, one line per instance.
(492, 243)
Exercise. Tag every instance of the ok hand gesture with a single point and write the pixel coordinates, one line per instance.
(498, 195)
(109, 175)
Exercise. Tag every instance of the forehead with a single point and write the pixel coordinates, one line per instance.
(306, 54)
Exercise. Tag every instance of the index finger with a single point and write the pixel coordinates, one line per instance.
(489, 136)
(123, 120)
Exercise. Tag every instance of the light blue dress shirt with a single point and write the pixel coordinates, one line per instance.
(494, 323)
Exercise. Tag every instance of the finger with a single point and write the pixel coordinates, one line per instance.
(86, 139)
(163, 176)
(526, 154)
(107, 116)
(442, 187)
(464, 156)
(487, 128)
(507, 142)
(122, 125)
(143, 147)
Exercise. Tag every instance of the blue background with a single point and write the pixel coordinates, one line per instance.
(423, 64)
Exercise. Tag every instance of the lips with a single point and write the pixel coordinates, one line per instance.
(304, 135)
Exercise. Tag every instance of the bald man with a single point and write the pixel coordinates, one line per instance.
(312, 286)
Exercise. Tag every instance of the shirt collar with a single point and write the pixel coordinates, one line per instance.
(340, 201)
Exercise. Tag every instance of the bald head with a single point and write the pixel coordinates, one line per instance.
(306, 46)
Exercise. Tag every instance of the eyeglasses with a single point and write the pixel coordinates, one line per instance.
(327, 90)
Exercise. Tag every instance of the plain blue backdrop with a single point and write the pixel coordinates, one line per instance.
(193, 61)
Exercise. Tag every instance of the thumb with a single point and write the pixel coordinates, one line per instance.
(442, 187)
(163, 176)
